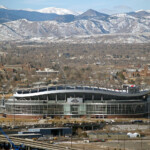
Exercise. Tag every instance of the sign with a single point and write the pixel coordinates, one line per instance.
(75, 100)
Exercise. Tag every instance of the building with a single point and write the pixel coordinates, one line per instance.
(46, 72)
(78, 101)
(40, 132)
(2, 107)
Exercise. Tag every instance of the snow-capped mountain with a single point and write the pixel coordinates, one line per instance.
(7, 15)
(140, 13)
(2, 7)
(127, 27)
(58, 11)
(142, 10)
(92, 14)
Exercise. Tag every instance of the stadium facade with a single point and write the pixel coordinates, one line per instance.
(77, 101)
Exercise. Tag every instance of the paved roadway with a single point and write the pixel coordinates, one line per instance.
(35, 144)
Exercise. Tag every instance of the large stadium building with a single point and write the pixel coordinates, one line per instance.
(77, 101)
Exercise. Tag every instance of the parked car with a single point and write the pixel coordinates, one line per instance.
(137, 121)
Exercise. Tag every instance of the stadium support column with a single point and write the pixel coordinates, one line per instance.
(92, 98)
(102, 98)
(56, 99)
(118, 109)
(65, 98)
(14, 110)
(47, 107)
(28, 148)
(106, 109)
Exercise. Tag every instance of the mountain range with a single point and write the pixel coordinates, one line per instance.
(55, 23)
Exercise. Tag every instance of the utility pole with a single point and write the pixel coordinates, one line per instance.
(124, 142)
(71, 136)
(141, 143)
(118, 141)
(149, 113)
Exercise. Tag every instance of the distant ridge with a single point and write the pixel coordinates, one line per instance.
(23, 24)
(92, 14)
(140, 13)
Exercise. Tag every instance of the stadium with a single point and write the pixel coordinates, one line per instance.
(78, 101)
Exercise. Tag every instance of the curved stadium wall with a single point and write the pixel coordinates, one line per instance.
(76, 101)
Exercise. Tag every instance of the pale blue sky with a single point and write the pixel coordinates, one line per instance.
(107, 6)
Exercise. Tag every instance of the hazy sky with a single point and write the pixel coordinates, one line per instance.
(107, 6)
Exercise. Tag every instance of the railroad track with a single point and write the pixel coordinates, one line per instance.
(35, 144)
